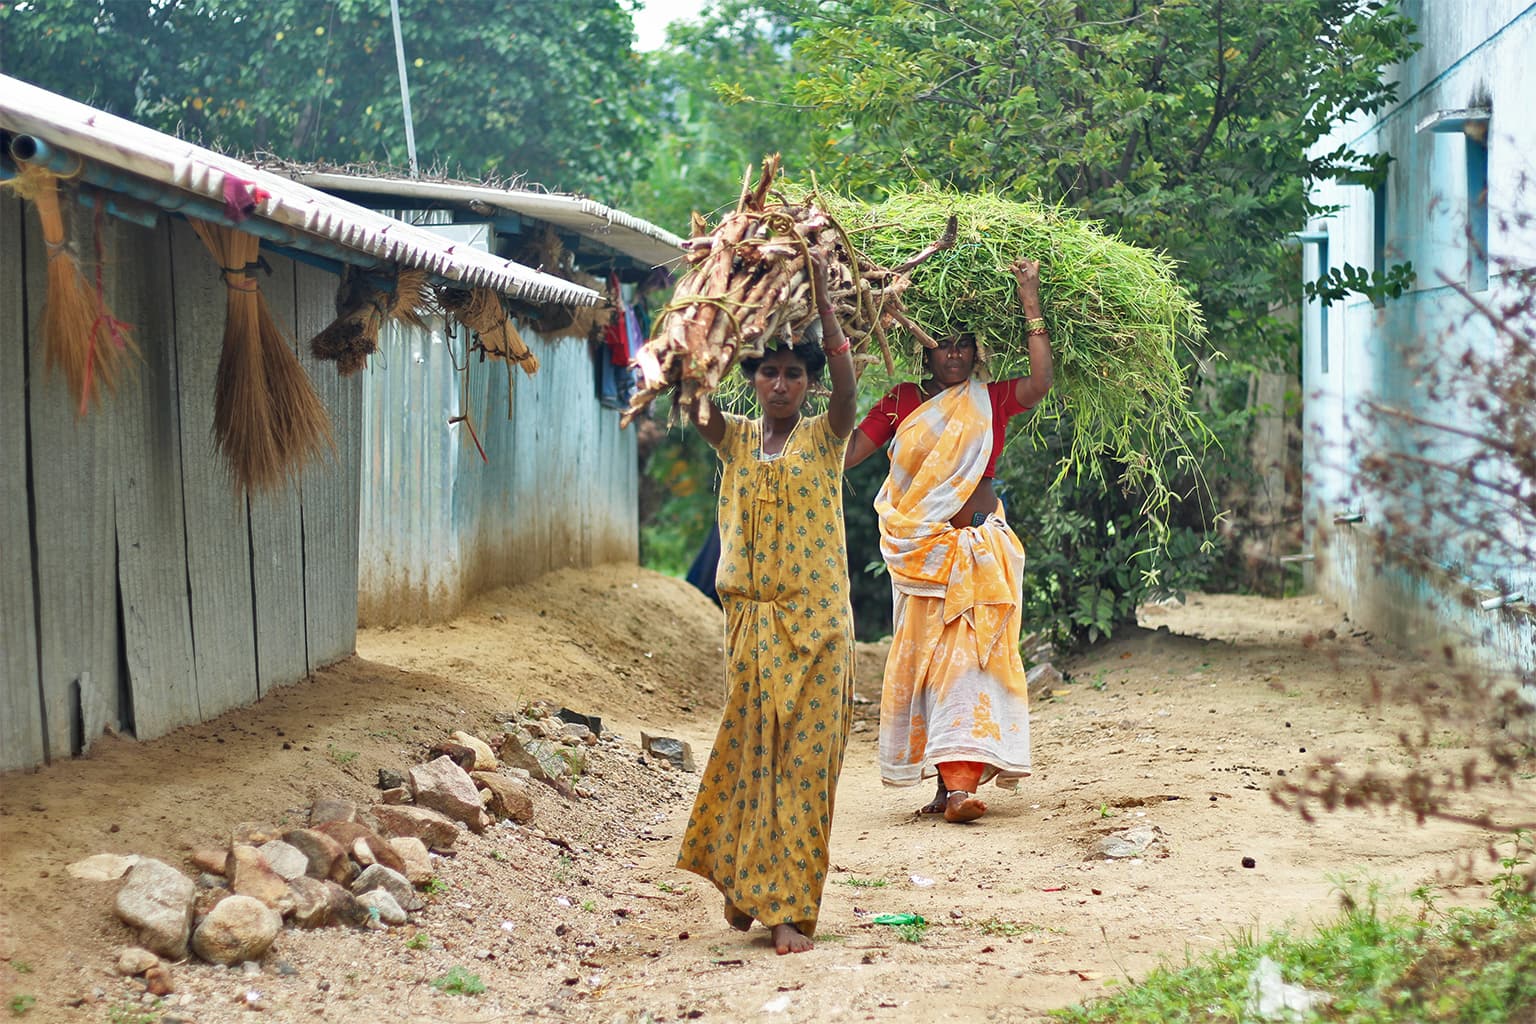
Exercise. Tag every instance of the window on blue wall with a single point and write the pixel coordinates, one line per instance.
(1379, 237)
(1477, 214)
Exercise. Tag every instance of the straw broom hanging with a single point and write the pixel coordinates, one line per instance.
(267, 419)
(480, 310)
(361, 312)
(82, 340)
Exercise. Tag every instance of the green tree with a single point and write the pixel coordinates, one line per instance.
(1183, 125)
(723, 89)
(547, 92)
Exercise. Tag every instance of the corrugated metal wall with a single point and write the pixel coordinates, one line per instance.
(558, 487)
(137, 590)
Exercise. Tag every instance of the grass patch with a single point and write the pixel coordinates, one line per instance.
(459, 981)
(341, 757)
(1007, 929)
(130, 1013)
(1375, 967)
(421, 940)
(20, 1004)
(865, 883)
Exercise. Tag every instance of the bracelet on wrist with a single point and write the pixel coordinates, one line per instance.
(824, 310)
(1036, 325)
(839, 350)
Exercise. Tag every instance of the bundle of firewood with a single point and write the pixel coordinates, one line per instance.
(749, 285)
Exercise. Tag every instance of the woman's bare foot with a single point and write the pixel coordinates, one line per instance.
(789, 939)
(963, 806)
(936, 805)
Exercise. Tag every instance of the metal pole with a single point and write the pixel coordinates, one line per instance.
(405, 89)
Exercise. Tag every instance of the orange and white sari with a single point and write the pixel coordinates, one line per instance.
(955, 686)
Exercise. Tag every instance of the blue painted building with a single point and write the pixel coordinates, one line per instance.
(1385, 379)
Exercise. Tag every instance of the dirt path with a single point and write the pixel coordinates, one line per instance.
(582, 917)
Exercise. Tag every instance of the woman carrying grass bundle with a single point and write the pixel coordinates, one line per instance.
(955, 701)
(761, 822)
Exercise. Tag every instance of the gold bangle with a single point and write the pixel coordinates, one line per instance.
(1036, 325)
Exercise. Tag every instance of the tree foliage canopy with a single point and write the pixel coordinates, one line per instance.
(723, 87)
(1184, 125)
(550, 92)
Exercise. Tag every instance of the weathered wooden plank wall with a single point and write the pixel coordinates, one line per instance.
(217, 524)
(22, 737)
(147, 497)
(277, 545)
(140, 591)
(76, 576)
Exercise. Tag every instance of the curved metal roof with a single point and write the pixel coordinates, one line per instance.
(131, 148)
(623, 232)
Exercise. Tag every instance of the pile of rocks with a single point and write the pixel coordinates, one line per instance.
(360, 867)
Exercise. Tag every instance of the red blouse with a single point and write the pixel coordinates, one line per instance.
(902, 400)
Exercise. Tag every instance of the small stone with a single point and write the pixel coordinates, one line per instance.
(458, 753)
(674, 752)
(135, 960)
(592, 722)
(576, 732)
(240, 928)
(485, 757)
(396, 795)
(286, 860)
(250, 875)
(385, 904)
(254, 833)
(158, 900)
(311, 902)
(509, 797)
(103, 867)
(212, 859)
(326, 856)
(397, 885)
(415, 861)
(390, 779)
(1043, 678)
(330, 808)
(1249, 862)
(436, 830)
(158, 981)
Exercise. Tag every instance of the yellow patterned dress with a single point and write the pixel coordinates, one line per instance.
(762, 820)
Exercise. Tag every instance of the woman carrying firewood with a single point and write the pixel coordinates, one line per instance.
(954, 702)
(761, 823)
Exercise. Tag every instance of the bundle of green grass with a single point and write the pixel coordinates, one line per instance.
(1117, 313)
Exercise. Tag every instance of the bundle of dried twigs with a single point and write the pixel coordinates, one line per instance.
(267, 418)
(749, 283)
(481, 310)
(544, 251)
(362, 309)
